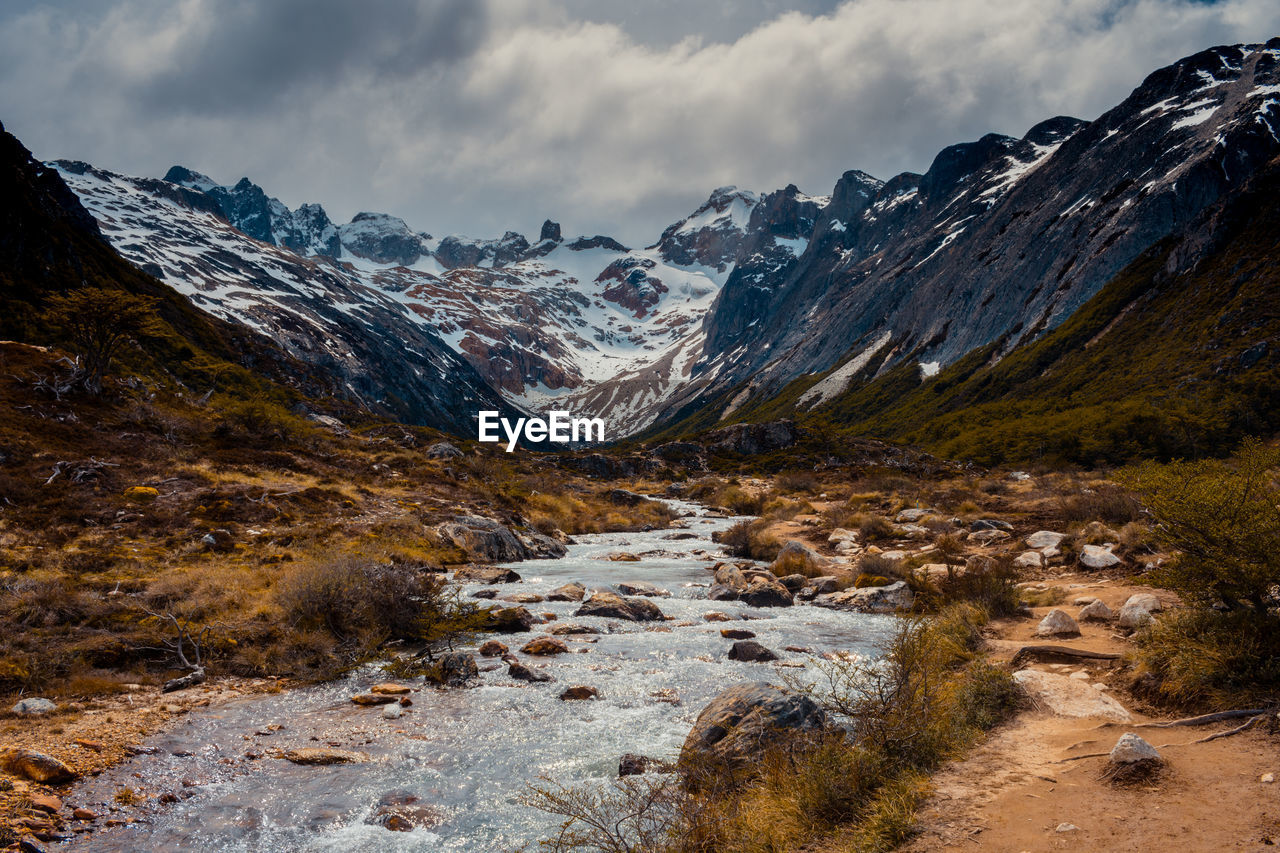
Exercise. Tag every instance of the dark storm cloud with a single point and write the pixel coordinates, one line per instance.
(611, 116)
(251, 55)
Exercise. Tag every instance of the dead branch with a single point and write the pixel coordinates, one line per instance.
(1202, 720)
(1237, 730)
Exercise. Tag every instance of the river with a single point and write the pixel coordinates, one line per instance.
(467, 754)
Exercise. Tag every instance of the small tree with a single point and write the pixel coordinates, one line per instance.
(98, 322)
(1223, 517)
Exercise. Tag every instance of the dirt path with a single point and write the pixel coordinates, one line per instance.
(1014, 793)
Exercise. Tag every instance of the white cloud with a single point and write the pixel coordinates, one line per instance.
(478, 122)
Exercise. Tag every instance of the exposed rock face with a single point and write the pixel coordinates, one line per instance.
(613, 606)
(747, 718)
(871, 599)
(383, 238)
(750, 439)
(1069, 697)
(712, 234)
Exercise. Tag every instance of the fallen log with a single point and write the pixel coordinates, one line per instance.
(1059, 654)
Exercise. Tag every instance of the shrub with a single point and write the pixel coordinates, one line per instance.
(1103, 502)
(1202, 657)
(989, 582)
(740, 501)
(875, 528)
(799, 481)
(1223, 519)
(748, 539)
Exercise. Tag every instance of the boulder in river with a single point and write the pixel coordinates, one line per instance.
(36, 766)
(716, 616)
(799, 557)
(485, 574)
(631, 764)
(642, 588)
(623, 557)
(481, 539)
(763, 592)
(737, 634)
(453, 669)
(565, 629)
(493, 649)
(870, 599)
(520, 672)
(613, 606)
(373, 699)
(522, 598)
(745, 719)
(569, 592)
(509, 620)
(545, 646)
(579, 692)
(749, 651)
(794, 583)
(391, 689)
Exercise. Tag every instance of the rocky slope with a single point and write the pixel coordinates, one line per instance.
(1000, 240)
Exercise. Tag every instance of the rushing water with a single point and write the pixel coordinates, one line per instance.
(467, 753)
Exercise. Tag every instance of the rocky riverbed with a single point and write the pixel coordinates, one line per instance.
(438, 769)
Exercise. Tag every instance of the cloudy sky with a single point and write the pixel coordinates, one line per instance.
(612, 116)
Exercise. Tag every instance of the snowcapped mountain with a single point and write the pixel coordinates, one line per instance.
(543, 324)
(1000, 240)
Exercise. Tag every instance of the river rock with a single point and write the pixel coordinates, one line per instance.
(539, 546)
(749, 651)
(544, 646)
(454, 669)
(797, 556)
(509, 620)
(568, 592)
(794, 583)
(521, 672)
(322, 756)
(1069, 697)
(36, 766)
(716, 616)
(870, 599)
(571, 628)
(485, 574)
(824, 584)
(391, 689)
(730, 576)
(1131, 749)
(522, 598)
(47, 803)
(623, 557)
(765, 592)
(406, 816)
(372, 699)
(737, 634)
(746, 718)
(613, 606)
(493, 649)
(1058, 623)
(1042, 539)
(392, 712)
(631, 764)
(488, 594)
(480, 538)
(579, 692)
(1098, 557)
(1095, 611)
(34, 707)
(642, 588)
